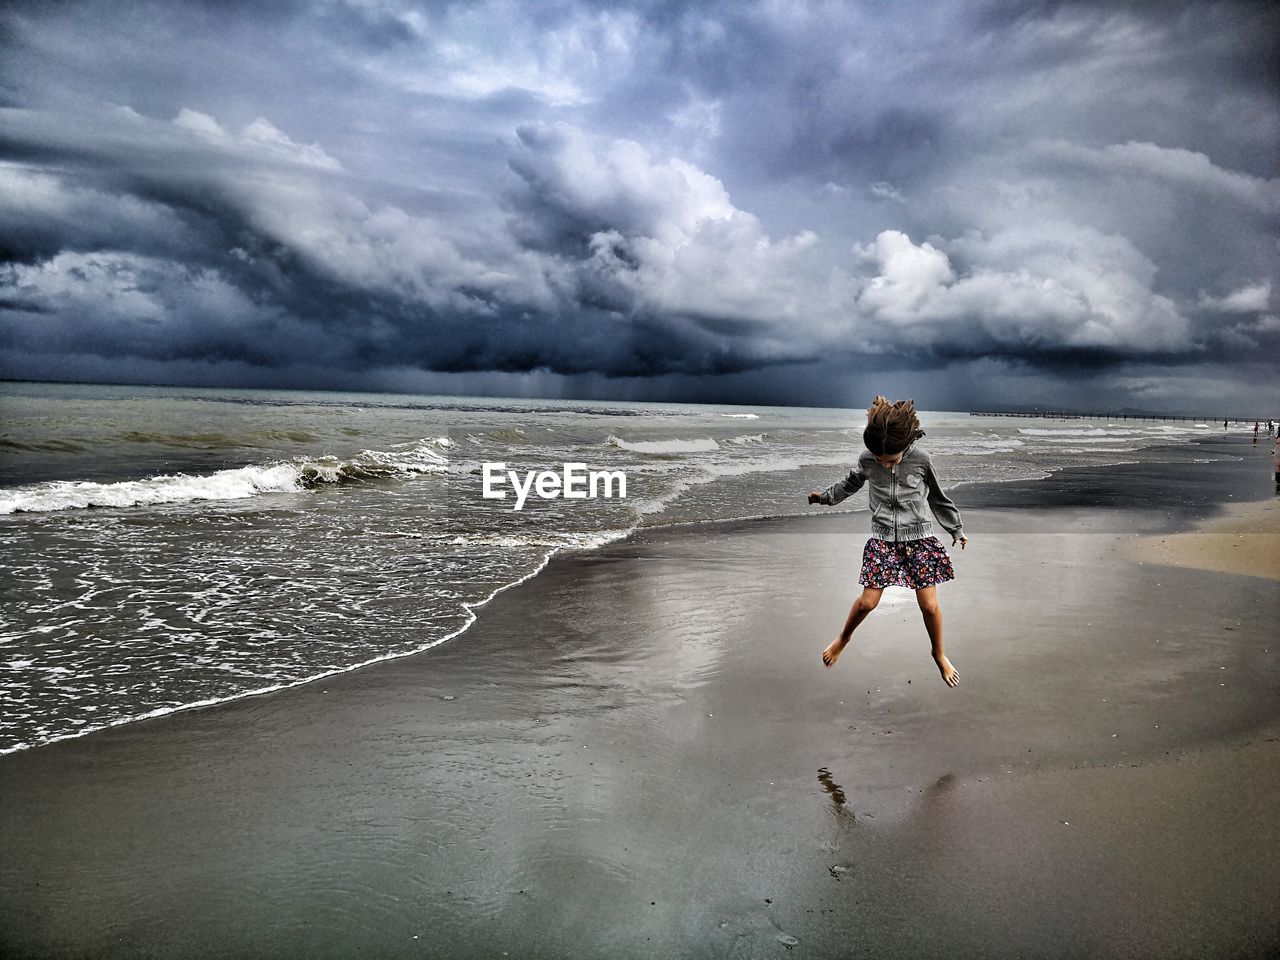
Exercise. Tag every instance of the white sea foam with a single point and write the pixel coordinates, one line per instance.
(761, 464)
(975, 446)
(567, 539)
(664, 446)
(1094, 449)
(659, 503)
(1108, 431)
(469, 608)
(1112, 440)
(167, 488)
(742, 416)
(288, 476)
(722, 469)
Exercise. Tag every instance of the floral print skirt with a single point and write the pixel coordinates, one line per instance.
(909, 563)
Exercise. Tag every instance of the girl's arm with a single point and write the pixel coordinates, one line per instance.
(842, 488)
(942, 506)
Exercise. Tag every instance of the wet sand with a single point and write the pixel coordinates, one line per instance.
(639, 753)
(1245, 541)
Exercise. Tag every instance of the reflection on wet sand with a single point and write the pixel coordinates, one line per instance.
(838, 798)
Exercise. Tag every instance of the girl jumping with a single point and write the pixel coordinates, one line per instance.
(902, 550)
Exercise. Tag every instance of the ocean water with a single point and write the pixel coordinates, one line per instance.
(168, 547)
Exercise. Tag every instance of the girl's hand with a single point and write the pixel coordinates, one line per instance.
(815, 496)
(962, 541)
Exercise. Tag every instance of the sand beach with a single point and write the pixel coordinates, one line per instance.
(1245, 540)
(637, 753)
(440, 442)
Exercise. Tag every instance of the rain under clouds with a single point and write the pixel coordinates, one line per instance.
(780, 202)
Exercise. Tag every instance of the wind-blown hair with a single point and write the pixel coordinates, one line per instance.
(891, 427)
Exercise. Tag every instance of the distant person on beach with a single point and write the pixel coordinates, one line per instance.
(1275, 464)
(902, 550)
(1256, 427)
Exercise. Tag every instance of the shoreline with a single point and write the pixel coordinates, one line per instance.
(468, 607)
(985, 491)
(640, 754)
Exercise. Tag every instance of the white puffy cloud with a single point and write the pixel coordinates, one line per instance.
(616, 183)
(1058, 287)
(605, 222)
(1057, 185)
(664, 236)
(661, 234)
(1253, 298)
(291, 197)
(908, 281)
(261, 138)
(198, 123)
(886, 191)
(383, 249)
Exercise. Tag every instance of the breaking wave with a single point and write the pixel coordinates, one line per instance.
(1151, 430)
(287, 476)
(664, 446)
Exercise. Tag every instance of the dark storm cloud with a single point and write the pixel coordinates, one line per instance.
(655, 193)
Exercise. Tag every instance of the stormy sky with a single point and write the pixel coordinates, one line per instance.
(971, 204)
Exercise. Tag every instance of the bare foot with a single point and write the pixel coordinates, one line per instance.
(950, 675)
(832, 653)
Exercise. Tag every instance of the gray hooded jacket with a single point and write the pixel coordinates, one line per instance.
(898, 496)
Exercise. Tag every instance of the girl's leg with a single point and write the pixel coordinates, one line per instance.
(865, 603)
(927, 597)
